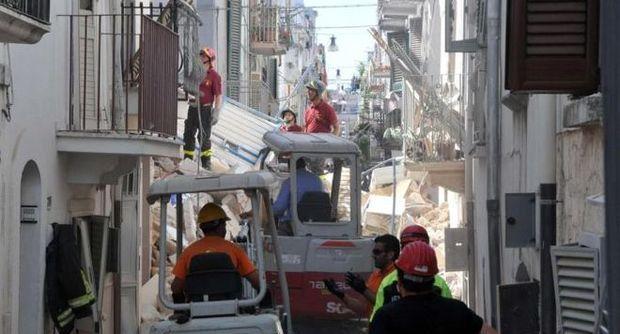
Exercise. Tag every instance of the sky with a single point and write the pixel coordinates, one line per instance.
(353, 43)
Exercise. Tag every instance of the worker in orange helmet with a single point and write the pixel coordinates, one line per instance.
(209, 103)
(387, 291)
(421, 310)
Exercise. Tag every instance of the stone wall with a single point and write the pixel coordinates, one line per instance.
(579, 175)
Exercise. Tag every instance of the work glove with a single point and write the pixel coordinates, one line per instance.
(331, 286)
(215, 115)
(355, 281)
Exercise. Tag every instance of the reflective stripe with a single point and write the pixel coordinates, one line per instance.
(206, 153)
(65, 317)
(85, 299)
(66, 314)
(188, 152)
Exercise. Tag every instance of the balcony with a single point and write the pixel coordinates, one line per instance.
(269, 33)
(400, 8)
(24, 21)
(122, 94)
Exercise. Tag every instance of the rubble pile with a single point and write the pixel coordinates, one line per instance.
(413, 206)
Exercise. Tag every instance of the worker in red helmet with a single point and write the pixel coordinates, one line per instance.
(420, 310)
(320, 116)
(209, 103)
(387, 291)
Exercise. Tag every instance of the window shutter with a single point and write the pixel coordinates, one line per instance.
(396, 74)
(234, 49)
(552, 46)
(576, 280)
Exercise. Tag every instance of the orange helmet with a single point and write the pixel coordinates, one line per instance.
(413, 233)
(209, 52)
(418, 261)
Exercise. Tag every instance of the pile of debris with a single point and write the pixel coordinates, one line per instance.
(412, 206)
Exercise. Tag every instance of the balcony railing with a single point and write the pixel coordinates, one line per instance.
(269, 33)
(122, 74)
(36, 9)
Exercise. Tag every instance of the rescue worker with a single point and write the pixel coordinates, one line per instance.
(420, 310)
(212, 221)
(320, 116)
(384, 253)
(306, 181)
(290, 121)
(210, 102)
(388, 291)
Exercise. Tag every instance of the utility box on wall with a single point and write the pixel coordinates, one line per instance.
(457, 249)
(520, 220)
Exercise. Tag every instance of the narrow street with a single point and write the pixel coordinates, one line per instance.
(309, 166)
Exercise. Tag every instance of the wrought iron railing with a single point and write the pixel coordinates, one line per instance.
(36, 9)
(112, 89)
(269, 32)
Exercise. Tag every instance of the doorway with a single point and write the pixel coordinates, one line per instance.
(31, 256)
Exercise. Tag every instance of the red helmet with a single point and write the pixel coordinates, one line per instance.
(209, 52)
(418, 261)
(413, 233)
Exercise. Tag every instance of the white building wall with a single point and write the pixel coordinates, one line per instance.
(40, 77)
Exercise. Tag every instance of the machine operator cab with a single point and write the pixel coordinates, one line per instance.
(324, 238)
(214, 291)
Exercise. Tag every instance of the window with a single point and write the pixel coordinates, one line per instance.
(552, 47)
(86, 5)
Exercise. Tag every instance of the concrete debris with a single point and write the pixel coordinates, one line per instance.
(412, 206)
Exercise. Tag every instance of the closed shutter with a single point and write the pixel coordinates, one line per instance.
(415, 45)
(234, 49)
(396, 74)
(576, 278)
(552, 46)
(87, 73)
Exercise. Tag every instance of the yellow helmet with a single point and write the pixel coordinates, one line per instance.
(211, 212)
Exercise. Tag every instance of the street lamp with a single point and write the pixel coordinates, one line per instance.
(332, 45)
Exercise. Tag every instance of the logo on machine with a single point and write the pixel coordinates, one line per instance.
(319, 285)
(337, 308)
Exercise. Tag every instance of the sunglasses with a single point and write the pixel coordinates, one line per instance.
(377, 251)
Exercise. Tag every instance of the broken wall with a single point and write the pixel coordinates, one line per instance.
(579, 175)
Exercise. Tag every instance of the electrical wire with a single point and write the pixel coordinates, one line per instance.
(217, 8)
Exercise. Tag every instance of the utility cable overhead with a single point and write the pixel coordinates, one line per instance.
(296, 7)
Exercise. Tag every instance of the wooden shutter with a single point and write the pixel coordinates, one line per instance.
(552, 46)
(234, 49)
(396, 75)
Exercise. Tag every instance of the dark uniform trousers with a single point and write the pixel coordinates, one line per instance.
(192, 125)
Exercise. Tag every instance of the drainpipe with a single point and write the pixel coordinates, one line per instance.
(610, 85)
(493, 145)
(541, 167)
(469, 200)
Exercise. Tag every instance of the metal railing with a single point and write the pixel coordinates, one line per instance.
(269, 33)
(36, 9)
(256, 94)
(122, 74)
